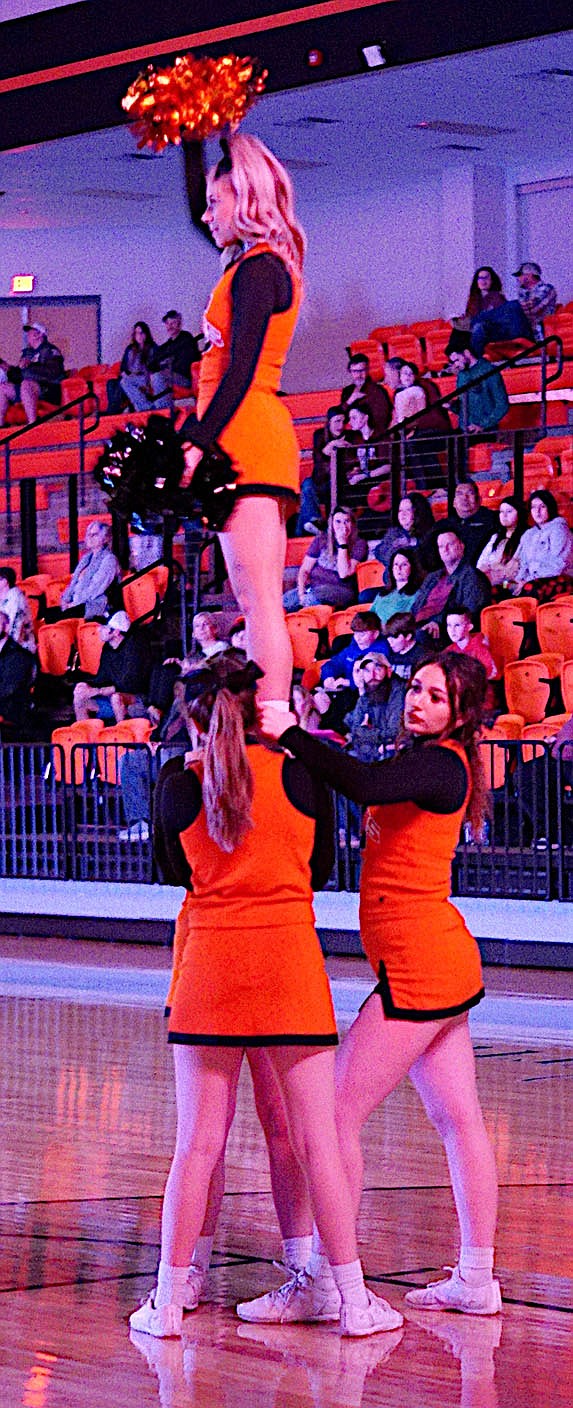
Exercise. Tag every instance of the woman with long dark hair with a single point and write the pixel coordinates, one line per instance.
(242, 828)
(405, 579)
(545, 553)
(485, 291)
(249, 324)
(428, 966)
(499, 558)
(135, 370)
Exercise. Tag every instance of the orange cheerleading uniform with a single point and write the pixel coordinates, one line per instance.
(259, 436)
(427, 962)
(248, 968)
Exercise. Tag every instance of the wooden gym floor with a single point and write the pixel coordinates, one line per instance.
(87, 1117)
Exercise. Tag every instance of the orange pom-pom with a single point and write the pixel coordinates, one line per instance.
(194, 98)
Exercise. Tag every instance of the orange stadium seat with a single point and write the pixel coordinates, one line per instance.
(55, 641)
(311, 676)
(303, 632)
(406, 345)
(502, 628)
(369, 574)
(436, 341)
(385, 333)
(141, 594)
(339, 623)
(54, 588)
(297, 549)
(539, 733)
(109, 755)
(90, 646)
(567, 685)
(527, 688)
(554, 622)
(84, 732)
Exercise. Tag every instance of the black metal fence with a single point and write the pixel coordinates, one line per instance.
(86, 813)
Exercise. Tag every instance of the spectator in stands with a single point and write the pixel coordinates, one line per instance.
(466, 640)
(475, 521)
(327, 573)
(98, 568)
(336, 673)
(315, 489)
(363, 388)
(499, 558)
(456, 580)
(517, 317)
(482, 407)
(363, 460)
(238, 635)
(545, 552)
(392, 369)
(15, 606)
(403, 651)
(135, 372)
(38, 376)
(310, 715)
(415, 524)
(171, 361)
(375, 718)
(485, 292)
(123, 674)
(207, 634)
(405, 585)
(416, 397)
(16, 675)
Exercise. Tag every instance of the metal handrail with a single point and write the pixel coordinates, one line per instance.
(20, 430)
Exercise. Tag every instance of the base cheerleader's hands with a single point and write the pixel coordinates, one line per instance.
(274, 722)
(192, 455)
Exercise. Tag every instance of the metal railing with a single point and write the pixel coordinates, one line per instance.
(67, 814)
(20, 431)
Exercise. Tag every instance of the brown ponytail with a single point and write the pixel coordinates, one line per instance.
(227, 776)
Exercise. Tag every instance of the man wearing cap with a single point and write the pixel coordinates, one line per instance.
(38, 376)
(518, 317)
(123, 674)
(482, 407)
(367, 637)
(170, 363)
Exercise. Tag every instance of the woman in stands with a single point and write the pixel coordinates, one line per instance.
(244, 827)
(406, 577)
(135, 370)
(499, 559)
(428, 966)
(545, 552)
(415, 523)
(327, 574)
(485, 292)
(249, 323)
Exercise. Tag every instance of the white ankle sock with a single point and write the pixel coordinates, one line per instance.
(202, 1253)
(318, 1264)
(296, 1251)
(349, 1278)
(476, 1265)
(171, 1283)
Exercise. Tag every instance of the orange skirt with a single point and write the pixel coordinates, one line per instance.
(427, 962)
(256, 987)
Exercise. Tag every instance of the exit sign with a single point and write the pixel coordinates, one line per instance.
(23, 283)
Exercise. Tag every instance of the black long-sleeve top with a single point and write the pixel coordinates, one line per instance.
(431, 776)
(261, 286)
(178, 801)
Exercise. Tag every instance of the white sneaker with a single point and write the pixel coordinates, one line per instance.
(369, 1319)
(300, 1300)
(195, 1288)
(163, 1321)
(456, 1294)
(138, 832)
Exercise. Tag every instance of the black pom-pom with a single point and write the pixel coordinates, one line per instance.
(140, 472)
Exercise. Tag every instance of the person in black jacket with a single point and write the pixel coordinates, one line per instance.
(170, 363)
(17, 668)
(38, 376)
(123, 674)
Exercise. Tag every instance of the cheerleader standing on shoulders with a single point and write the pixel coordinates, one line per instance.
(428, 966)
(242, 825)
(249, 324)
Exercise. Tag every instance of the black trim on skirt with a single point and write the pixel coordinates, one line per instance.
(201, 1039)
(416, 1014)
(269, 491)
